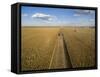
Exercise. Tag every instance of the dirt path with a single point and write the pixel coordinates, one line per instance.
(60, 57)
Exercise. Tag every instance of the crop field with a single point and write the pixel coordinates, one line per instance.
(81, 46)
(37, 46)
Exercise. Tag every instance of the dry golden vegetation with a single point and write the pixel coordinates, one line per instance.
(38, 45)
(81, 46)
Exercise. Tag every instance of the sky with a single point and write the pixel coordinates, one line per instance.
(44, 16)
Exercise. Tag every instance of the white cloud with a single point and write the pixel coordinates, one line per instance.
(43, 16)
(92, 20)
(76, 15)
(84, 11)
(92, 12)
(24, 15)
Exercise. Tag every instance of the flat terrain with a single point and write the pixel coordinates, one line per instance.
(45, 48)
(81, 46)
(60, 57)
(37, 47)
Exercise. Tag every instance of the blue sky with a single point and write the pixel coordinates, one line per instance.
(42, 16)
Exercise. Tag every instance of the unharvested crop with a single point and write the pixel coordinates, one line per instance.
(38, 44)
(81, 46)
(37, 47)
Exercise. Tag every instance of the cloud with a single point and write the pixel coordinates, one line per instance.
(92, 20)
(84, 12)
(76, 14)
(42, 16)
(24, 15)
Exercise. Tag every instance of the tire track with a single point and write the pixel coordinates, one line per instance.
(52, 55)
(68, 62)
(60, 57)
